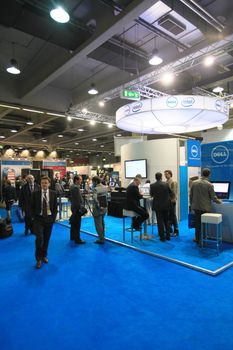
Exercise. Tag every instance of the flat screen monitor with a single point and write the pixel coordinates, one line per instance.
(222, 189)
(134, 167)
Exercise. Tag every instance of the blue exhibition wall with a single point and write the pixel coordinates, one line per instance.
(218, 156)
(183, 192)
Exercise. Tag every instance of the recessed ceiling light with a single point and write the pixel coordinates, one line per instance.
(20, 147)
(76, 143)
(93, 90)
(119, 135)
(167, 78)
(69, 119)
(60, 135)
(101, 103)
(2, 137)
(220, 127)
(94, 139)
(30, 123)
(13, 130)
(110, 125)
(84, 110)
(218, 89)
(44, 140)
(208, 61)
(101, 146)
(71, 151)
(80, 129)
(92, 122)
(59, 15)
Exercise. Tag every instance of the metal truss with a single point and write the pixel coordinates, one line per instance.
(224, 96)
(194, 59)
(75, 113)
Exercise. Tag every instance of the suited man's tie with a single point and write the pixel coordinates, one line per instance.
(45, 206)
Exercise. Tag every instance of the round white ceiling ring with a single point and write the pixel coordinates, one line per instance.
(173, 114)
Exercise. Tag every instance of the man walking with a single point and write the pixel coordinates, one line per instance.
(161, 193)
(201, 195)
(99, 207)
(25, 202)
(44, 211)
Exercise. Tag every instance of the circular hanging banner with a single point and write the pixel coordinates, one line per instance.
(172, 114)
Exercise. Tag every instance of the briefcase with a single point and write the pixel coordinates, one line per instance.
(191, 220)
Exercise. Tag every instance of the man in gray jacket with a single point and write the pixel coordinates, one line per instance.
(99, 207)
(201, 195)
(76, 203)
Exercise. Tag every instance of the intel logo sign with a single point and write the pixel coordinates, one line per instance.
(225, 109)
(218, 105)
(187, 101)
(172, 102)
(137, 107)
(194, 151)
(219, 154)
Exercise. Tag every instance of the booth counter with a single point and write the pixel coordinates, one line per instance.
(226, 209)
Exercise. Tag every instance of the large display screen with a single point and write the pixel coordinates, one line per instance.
(222, 189)
(134, 167)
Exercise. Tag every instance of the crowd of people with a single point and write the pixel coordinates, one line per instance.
(39, 205)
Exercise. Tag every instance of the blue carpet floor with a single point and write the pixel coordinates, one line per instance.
(107, 298)
(180, 248)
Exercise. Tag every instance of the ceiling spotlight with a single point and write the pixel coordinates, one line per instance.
(220, 127)
(208, 61)
(101, 103)
(69, 119)
(2, 137)
(30, 123)
(93, 90)
(60, 135)
(92, 122)
(155, 59)
(218, 89)
(94, 139)
(119, 135)
(101, 146)
(80, 129)
(44, 140)
(84, 110)
(76, 143)
(13, 68)
(167, 78)
(13, 130)
(59, 15)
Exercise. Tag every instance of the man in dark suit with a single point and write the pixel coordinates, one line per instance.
(133, 197)
(76, 203)
(44, 211)
(25, 201)
(161, 193)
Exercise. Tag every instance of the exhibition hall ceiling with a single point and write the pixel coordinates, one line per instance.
(108, 43)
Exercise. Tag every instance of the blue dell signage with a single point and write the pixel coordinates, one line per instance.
(219, 154)
(194, 153)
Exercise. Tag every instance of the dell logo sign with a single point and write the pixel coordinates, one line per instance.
(219, 154)
(194, 151)
(137, 107)
(172, 102)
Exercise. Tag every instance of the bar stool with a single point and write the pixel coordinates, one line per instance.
(131, 214)
(213, 219)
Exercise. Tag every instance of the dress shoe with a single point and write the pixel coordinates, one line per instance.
(168, 237)
(38, 264)
(162, 239)
(45, 260)
(26, 232)
(80, 241)
(137, 228)
(99, 241)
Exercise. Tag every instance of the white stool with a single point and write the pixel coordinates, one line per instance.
(213, 219)
(132, 214)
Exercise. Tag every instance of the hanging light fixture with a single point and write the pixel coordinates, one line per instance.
(93, 90)
(155, 59)
(58, 14)
(13, 68)
(218, 89)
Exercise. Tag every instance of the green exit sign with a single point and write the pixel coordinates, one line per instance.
(130, 95)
